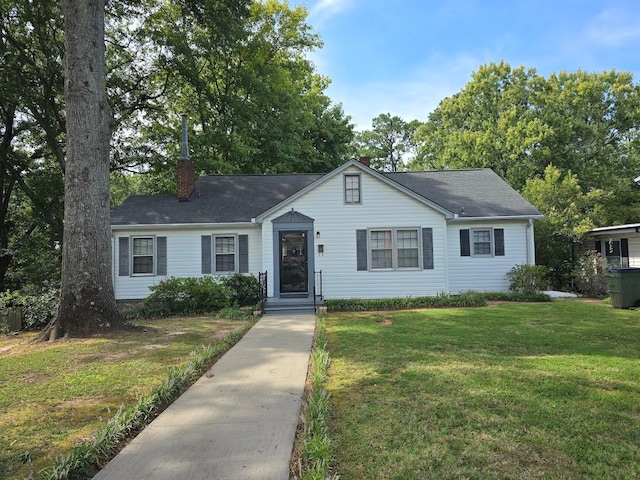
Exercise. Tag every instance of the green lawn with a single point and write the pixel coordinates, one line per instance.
(54, 395)
(515, 391)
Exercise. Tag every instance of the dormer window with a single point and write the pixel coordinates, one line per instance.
(352, 189)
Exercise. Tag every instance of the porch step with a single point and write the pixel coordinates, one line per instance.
(290, 306)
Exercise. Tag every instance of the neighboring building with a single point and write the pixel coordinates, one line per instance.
(619, 245)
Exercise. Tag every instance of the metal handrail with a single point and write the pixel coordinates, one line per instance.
(262, 294)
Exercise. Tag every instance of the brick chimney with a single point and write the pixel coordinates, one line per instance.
(366, 161)
(186, 172)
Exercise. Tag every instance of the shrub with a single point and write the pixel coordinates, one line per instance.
(188, 295)
(244, 289)
(528, 278)
(589, 275)
(39, 307)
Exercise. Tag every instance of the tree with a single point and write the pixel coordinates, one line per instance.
(256, 103)
(568, 216)
(87, 301)
(518, 122)
(389, 143)
(569, 142)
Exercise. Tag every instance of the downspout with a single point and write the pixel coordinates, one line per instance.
(531, 251)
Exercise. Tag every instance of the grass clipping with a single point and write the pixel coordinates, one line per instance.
(85, 459)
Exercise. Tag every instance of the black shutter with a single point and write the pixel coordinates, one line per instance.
(427, 248)
(361, 249)
(465, 248)
(161, 260)
(243, 253)
(498, 240)
(123, 256)
(206, 254)
(598, 246)
(624, 251)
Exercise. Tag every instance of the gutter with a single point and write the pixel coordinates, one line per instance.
(172, 226)
(489, 219)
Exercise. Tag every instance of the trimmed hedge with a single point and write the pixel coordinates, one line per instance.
(467, 299)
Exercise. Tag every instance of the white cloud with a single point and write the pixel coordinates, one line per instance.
(324, 9)
(614, 27)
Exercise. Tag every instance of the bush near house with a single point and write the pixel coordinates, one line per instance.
(528, 278)
(589, 275)
(192, 295)
(38, 306)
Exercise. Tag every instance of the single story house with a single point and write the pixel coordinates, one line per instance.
(350, 233)
(619, 245)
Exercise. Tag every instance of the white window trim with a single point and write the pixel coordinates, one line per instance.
(359, 176)
(394, 249)
(153, 256)
(236, 266)
(491, 242)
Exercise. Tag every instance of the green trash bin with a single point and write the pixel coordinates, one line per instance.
(624, 287)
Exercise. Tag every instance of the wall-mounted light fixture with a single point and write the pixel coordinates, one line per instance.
(318, 234)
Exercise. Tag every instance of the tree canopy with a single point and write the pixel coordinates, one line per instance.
(389, 144)
(570, 143)
(238, 69)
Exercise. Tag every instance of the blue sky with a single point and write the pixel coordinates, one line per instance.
(404, 56)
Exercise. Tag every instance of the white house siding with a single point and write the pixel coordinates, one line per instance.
(634, 245)
(485, 273)
(382, 206)
(634, 250)
(184, 256)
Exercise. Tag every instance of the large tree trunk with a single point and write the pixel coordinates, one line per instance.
(87, 301)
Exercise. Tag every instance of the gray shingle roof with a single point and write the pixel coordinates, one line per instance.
(469, 193)
(239, 198)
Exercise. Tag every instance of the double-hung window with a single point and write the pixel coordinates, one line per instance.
(481, 242)
(225, 253)
(381, 245)
(394, 248)
(407, 243)
(142, 255)
(352, 193)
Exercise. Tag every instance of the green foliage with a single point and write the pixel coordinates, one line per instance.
(39, 306)
(315, 450)
(243, 289)
(470, 299)
(589, 275)
(188, 295)
(388, 142)
(528, 278)
(467, 299)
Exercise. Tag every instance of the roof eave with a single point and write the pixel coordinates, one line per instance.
(458, 218)
(173, 226)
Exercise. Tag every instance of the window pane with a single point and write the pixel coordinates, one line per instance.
(612, 248)
(481, 236)
(381, 239)
(225, 263)
(143, 264)
(225, 245)
(407, 257)
(143, 246)
(381, 259)
(407, 239)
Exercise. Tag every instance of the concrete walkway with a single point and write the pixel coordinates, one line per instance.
(238, 421)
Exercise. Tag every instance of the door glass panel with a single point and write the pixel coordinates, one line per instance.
(293, 262)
